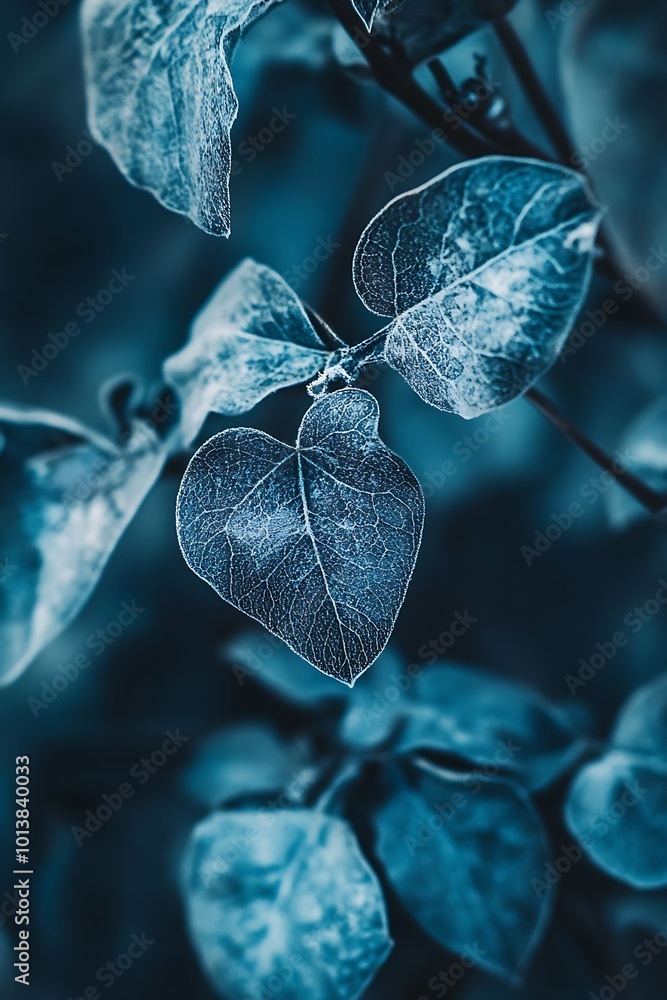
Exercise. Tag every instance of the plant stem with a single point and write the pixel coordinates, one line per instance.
(398, 80)
(535, 91)
(653, 501)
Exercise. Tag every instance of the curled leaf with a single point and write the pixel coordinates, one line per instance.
(161, 98)
(252, 337)
(67, 495)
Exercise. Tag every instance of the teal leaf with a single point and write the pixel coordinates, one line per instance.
(460, 853)
(252, 337)
(617, 810)
(161, 98)
(483, 270)
(67, 495)
(316, 542)
(284, 894)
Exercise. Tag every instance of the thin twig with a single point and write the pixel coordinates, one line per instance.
(535, 91)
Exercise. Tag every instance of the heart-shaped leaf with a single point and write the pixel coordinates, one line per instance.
(161, 98)
(67, 495)
(460, 852)
(484, 269)
(284, 896)
(316, 542)
(252, 337)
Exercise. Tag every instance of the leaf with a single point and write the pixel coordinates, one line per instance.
(161, 98)
(644, 450)
(484, 269)
(284, 896)
(460, 853)
(252, 337)
(641, 725)
(287, 675)
(245, 759)
(375, 707)
(425, 28)
(316, 542)
(488, 721)
(67, 495)
(617, 809)
(367, 9)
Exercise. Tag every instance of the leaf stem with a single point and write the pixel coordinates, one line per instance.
(653, 501)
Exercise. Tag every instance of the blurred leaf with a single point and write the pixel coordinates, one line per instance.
(644, 447)
(461, 852)
(374, 708)
(286, 674)
(252, 337)
(246, 759)
(484, 269)
(641, 725)
(285, 896)
(617, 810)
(161, 99)
(488, 721)
(614, 78)
(67, 495)
(317, 542)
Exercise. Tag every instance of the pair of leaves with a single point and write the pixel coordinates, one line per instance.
(460, 853)
(67, 496)
(483, 271)
(316, 542)
(284, 897)
(161, 98)
(617, 806)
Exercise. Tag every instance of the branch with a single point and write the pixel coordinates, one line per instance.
(654, 502)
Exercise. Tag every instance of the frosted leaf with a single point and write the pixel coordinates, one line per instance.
(316, 542)
(284, 895)
(483, 269)
(161, 98)
(67, 495)
(460, 853)
(252, 337)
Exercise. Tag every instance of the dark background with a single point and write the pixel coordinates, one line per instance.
(321, 177)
